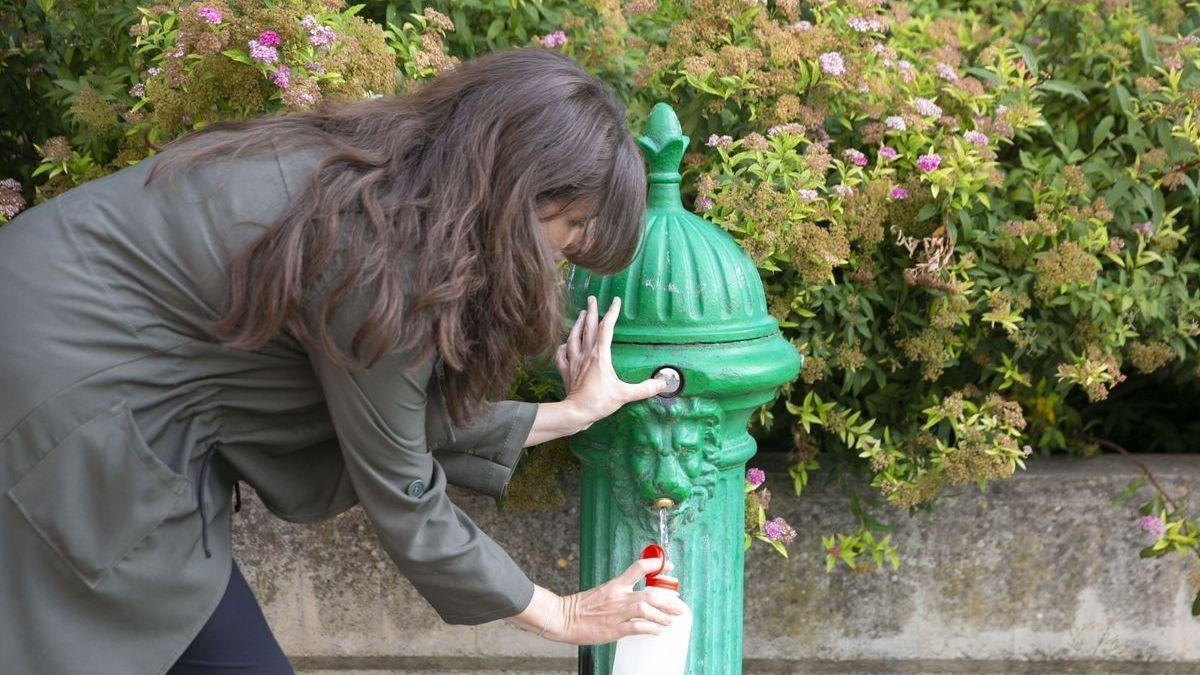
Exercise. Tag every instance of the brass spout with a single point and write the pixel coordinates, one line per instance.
(664, 503)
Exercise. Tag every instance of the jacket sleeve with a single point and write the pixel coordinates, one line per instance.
(483, 454)
(379, 416)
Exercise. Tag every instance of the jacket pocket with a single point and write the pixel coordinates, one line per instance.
(98, 493)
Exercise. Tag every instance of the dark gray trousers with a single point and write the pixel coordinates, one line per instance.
(236, 638)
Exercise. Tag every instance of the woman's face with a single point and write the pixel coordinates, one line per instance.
(565, 228)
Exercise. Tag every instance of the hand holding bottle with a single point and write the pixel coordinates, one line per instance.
(603, 614)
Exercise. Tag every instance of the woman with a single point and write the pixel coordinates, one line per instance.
(323, 314)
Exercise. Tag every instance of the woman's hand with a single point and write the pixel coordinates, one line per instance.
(585, 365)
(605, 613)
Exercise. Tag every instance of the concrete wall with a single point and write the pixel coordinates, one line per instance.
(1039, 574)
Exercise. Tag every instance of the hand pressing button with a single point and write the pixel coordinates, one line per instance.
(416, 488)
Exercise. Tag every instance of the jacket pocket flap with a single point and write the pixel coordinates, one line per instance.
(98, 493)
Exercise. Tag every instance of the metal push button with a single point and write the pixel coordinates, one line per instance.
(672, 378)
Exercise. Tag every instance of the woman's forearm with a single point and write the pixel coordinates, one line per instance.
(545, 610)
(555, 420)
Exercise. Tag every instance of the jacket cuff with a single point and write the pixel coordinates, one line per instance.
(485, 463)
(518, 589)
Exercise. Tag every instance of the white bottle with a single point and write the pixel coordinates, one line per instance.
(662, 654)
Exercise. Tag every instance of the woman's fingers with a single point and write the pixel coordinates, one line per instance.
(606, 331)
(640, 568)
(564, 367)
(644, 610)
(659, 599)
(574, 346)
(646, 388)
(589, 329)
(639, 627)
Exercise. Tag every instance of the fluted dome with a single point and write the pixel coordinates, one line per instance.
(689, 282)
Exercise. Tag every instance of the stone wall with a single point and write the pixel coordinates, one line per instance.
(1039, 574)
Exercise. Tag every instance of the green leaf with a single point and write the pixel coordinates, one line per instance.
(238, 55)
(1147, 45)
(1030, 60)
(1130, 488)
(1102, 131)
(1123, 99)
(1196, 605)
(494, 28)
(1063, 87)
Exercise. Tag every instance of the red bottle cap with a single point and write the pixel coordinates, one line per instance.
(653, 578)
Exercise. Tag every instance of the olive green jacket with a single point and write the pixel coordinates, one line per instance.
(123, 428)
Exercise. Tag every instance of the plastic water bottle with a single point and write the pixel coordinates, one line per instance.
(662, 654)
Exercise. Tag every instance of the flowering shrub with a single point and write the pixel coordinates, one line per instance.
(419, 44)
(237, 58)
(975, 221)
(971, 229)
(775, 531)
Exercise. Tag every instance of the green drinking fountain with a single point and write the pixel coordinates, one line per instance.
(694, 313)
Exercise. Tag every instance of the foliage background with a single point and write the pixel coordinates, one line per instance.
(975, 219)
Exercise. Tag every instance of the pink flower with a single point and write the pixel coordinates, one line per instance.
(927, 108)
(856, 157)
(831, 63)
(929, 162)
(975, 138)
(777, 529)
(806, 194)
(210, 15)
(843, 190)
(263, 53)
(1146, 228)
(138, 90)
(888, 152)
(947, 72)
(789, 128)
(268, 38)
(280, 76)
(1153, 525)
(703, 203)
(895, 122)
(314, 67)
(863, 25)
(554, 39)
(12, 201)
(755, 476)
(715, 141)
(898, 193)
(321, 36)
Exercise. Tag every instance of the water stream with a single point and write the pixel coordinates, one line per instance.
(662, 532)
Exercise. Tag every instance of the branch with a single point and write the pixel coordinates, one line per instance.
(1154, 481)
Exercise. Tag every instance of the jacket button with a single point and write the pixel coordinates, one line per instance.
(416, 488)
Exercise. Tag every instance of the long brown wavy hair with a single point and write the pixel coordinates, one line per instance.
(446, 180)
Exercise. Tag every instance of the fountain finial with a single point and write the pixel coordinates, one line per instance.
(663, 144)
